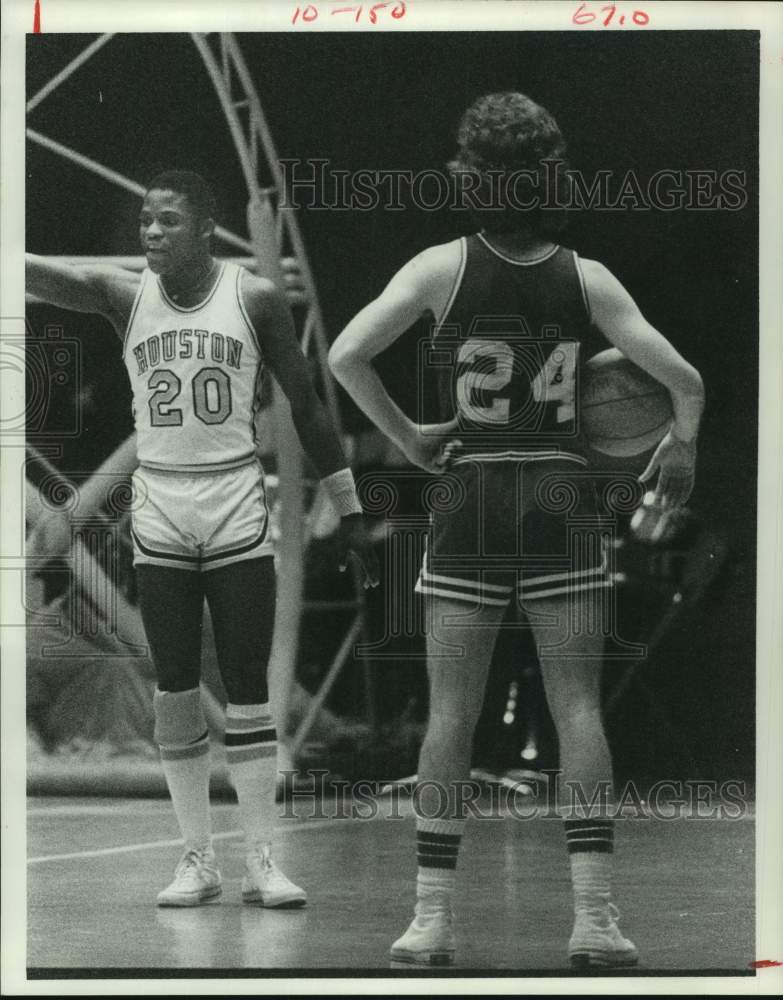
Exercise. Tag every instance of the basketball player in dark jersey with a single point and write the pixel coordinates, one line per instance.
(514, 315)
(196, 335)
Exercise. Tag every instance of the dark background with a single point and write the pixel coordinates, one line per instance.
(645, 101)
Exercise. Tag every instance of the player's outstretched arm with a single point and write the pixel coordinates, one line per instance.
(618, 317)
(107, 291)
(271, 318)
(415, 290)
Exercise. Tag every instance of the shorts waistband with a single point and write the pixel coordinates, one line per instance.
(511, 455)
(190, 470)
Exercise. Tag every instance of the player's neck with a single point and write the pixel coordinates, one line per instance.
(520, 244)
(191, 283)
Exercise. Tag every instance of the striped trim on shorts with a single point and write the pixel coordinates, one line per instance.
(475, 587)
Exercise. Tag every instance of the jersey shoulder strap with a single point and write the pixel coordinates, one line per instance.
(135, 308)
(234, 277)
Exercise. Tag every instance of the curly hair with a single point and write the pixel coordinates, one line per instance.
(193, 186)
(508, 136)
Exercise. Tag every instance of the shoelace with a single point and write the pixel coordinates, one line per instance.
(267, 865)
(189, 860)
(614, 913)
(192, 861)
(273, 874)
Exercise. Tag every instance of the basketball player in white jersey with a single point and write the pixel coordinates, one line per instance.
(196, 334)
(513, 314)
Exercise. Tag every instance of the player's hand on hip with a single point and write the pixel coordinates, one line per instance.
(355, 540)
(675, 462)
(432, 446)
(293, 282)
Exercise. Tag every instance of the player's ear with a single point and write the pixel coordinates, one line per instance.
(207, 227)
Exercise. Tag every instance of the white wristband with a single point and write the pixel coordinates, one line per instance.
(342, 492)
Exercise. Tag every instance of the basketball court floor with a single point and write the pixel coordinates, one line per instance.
(685, 888)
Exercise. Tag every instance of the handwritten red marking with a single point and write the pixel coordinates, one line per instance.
(397, 11)
(349, 10)
(584, 16)
(764, 963)
(373, 15)
(37, 18)
(311, 12)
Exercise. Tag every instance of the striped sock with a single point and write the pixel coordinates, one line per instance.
(251, 753)
(590, 850)
(183, 739)
(437, 849)
(589, 836)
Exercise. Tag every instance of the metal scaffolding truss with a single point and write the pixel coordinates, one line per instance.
(224, 63)
(257, 156)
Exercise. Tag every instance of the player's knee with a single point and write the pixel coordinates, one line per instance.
(176, 672)
(579, 717)
(452, 724)
(180, 724)
(246, 684)
(173, 680)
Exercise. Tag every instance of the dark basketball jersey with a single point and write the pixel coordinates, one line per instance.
(510, 349)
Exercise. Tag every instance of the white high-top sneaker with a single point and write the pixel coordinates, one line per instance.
(196, 880)
(266, 885)
(596, 941)
(430, 938)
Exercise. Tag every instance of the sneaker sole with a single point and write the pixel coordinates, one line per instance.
(205, 896)
(422, 957)
(255, 899)
(593, 960)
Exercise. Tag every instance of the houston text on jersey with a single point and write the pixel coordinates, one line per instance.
(187, 343)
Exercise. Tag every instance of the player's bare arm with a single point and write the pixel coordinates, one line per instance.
(107, 291)
(618, 317)
(422, 286)
(274, 325)
(272, 320)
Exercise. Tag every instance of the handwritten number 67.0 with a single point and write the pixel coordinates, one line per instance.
(584, 16)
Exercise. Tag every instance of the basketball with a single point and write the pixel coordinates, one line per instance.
(624, 411)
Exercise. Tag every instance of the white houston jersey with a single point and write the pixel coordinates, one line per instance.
(194, 374)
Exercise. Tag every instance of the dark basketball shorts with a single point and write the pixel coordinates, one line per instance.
(503, 527)
(199, 521)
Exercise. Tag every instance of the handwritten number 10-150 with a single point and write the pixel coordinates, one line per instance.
(311, 12)
(585, 16)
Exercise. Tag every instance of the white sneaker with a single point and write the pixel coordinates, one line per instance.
(264, 883)
(430, 938)
(596, 940)
(196, 880)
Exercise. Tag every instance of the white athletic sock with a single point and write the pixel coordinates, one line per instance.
(188, 782)
(437, 848)
(183, 738)
(285, 764)
(591, 876)
(251, 751)
(590, 847)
